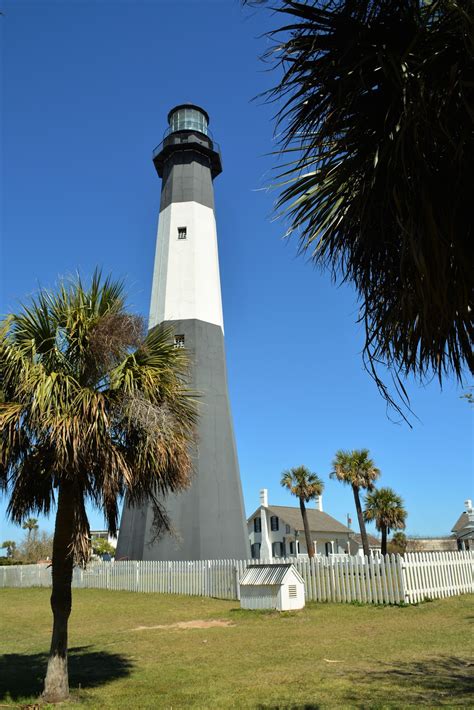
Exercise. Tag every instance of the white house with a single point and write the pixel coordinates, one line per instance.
(277, 531)
(463, 528)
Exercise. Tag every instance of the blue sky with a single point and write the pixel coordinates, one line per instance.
(86, 90)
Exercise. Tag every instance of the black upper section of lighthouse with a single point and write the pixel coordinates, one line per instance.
(187, 159)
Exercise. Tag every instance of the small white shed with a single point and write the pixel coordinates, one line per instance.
(278, 586)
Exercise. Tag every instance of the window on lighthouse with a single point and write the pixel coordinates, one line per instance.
(179, 341)
(182, 232)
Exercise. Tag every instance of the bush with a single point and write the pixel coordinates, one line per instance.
(6, 561)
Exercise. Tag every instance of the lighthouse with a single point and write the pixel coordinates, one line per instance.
(207, 519)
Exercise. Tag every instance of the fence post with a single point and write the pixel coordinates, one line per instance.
(237, 577)
(403, 583)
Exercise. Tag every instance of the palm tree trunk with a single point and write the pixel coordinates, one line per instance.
(363, 532)
(307, 532)
(56, 684)
(384, 539)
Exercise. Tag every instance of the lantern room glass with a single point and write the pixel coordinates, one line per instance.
(188, 119)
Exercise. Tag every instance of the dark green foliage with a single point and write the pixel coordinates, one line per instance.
(375, 116)
(102, 547)
(6, 561)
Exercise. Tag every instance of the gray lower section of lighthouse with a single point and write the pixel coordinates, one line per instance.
(208, 519)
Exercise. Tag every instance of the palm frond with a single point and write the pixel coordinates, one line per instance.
(354, 468)
(301, 482)
(375, 113)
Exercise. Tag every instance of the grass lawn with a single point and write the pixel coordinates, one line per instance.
(326, 656)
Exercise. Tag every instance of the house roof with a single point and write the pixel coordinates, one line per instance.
(318, 521)
(460, 522)
(464, 525)
(268, 575)
(373, 542)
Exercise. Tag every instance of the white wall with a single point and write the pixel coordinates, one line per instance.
(285, 602)
(186, 281)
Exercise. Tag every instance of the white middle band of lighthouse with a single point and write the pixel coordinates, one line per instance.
(186, 281)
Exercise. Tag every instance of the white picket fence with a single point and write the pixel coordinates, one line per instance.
(437, 574)
(375, 580)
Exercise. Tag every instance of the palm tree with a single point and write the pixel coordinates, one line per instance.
(31, 525)
(10, 546)
(91, 408)
(375, 126)
(357, 470)
(305, 486)
(384, 507)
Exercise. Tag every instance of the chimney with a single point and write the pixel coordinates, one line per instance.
(468, 505)
(319, 503)
(264, 497)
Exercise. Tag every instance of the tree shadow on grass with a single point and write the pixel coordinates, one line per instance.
(433, 681)
(22, 675)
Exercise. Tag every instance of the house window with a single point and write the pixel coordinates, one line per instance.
(182, 232)
(287, 529)
(257, 525)
(292, 548)
(255, 550)
(274, 523)
(277, 549)
(179, 341)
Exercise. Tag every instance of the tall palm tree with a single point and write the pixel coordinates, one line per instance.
(305, 486)
(356, 469)
(31, 524)
(375, 127)
(384, 507)
(91, 408)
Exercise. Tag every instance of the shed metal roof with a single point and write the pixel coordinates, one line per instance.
(268, 575)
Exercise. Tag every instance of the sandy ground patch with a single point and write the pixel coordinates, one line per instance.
(196, 624)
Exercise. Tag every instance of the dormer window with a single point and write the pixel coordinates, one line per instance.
(182, 232)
